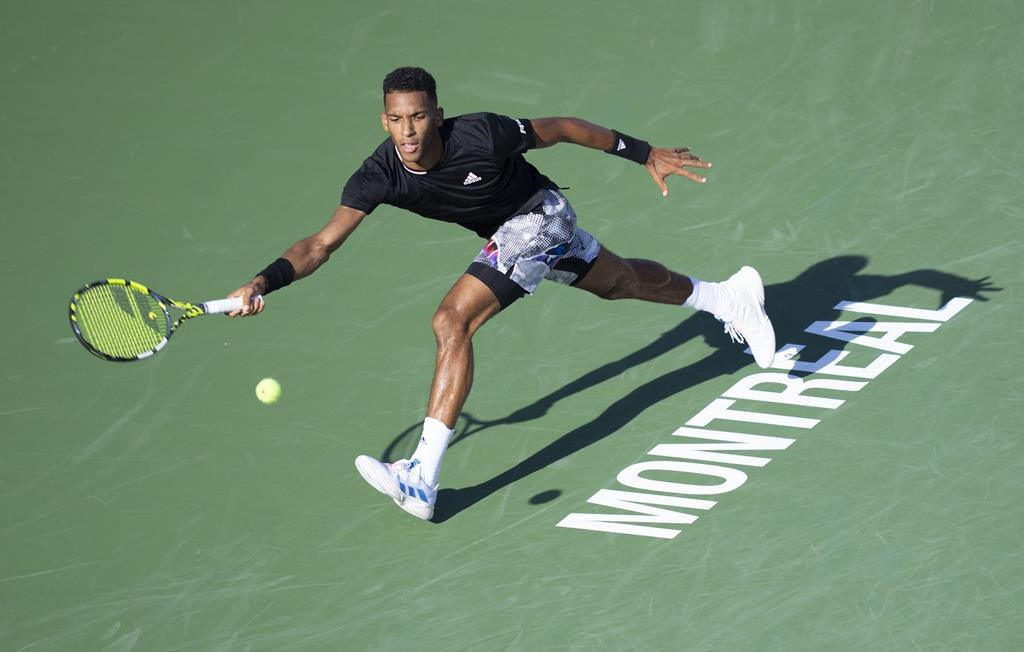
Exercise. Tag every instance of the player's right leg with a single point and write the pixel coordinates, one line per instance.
(466, 307)
(413, 483)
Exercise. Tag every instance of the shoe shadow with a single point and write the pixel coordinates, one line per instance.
(793, 305)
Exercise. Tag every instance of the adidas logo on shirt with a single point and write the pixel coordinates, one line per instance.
(471, 178)
(621, 146)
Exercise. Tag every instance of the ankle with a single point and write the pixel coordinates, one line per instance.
(716, 298)
(430, 451)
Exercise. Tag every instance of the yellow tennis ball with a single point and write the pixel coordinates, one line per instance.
(152, 315)
(268, 391)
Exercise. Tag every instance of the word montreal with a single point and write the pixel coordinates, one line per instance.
(656, 507)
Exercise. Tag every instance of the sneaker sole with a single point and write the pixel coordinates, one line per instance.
(758, 292)
(390, 489)
(416, 508)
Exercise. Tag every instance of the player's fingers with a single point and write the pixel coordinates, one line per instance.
(683, 172)
(248, 303)
(658, 179)
(696, 163)
(250, 307)
(684, 154)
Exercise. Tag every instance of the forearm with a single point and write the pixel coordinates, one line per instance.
(308, 254)
(304, 257)
(659, 161)
(550, 131)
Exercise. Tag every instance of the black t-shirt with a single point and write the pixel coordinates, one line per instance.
(481, 180)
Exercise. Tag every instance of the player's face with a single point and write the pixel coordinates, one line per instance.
(414, 122)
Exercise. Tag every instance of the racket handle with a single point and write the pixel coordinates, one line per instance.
(222, 305)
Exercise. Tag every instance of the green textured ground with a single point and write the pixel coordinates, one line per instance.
(862, 153)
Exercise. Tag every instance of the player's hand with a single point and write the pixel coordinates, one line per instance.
(664, 162)
(252, 299)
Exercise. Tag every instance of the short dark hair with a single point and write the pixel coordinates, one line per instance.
(410, 80)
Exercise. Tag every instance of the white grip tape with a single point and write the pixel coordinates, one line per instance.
(222, 305)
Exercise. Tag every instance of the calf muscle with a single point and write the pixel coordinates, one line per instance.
(613, 277)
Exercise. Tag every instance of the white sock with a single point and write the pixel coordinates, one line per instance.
(710, 297)
(430, 451)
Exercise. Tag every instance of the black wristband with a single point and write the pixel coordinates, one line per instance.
(631, 148)
(277, 275)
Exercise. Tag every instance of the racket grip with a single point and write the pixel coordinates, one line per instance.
(222, 305)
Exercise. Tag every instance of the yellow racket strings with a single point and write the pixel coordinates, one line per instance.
(120, 321)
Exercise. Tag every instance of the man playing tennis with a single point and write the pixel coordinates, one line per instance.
(470, 170)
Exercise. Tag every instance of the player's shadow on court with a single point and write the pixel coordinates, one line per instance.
(793, 305)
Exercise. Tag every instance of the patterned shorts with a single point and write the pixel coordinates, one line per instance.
(528, 248)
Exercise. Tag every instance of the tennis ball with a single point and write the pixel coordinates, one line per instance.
(268, 391)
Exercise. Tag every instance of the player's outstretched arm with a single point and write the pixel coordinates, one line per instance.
(298, 261)
(661, 162)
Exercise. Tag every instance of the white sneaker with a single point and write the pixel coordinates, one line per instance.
(746, 321)
(401, 480)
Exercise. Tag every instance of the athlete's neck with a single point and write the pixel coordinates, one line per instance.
(429, 158)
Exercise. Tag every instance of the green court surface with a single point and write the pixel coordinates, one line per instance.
(863, 153)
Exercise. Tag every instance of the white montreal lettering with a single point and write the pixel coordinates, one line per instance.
(663, 489)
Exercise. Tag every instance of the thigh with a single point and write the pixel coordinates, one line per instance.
(578, 259)
(470, 303)
(528, 247)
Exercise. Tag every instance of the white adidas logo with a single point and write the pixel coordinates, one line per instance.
(622, 146)
(471, 178)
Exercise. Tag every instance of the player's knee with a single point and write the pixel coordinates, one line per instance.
(449, 324)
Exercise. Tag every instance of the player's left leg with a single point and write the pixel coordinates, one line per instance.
(584, 263)
(612, 277)
(737, 302)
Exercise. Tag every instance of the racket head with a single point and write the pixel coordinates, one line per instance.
(120, 320)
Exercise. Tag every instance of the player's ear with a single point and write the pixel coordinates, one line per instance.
(440, 114)
(384, 122)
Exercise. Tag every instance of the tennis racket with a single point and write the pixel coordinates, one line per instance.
(123, 321)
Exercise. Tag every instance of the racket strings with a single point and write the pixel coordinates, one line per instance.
(120, 321)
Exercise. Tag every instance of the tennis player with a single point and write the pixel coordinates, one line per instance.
(470, 170)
